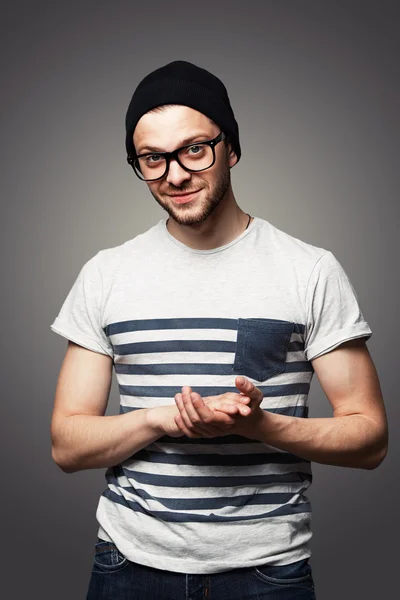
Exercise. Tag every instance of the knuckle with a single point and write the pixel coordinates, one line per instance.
(208, 418)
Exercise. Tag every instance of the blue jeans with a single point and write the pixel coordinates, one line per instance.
(114, 577)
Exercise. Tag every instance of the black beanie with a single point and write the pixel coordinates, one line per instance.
(181, 82)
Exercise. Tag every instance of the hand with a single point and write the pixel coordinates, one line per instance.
(162, 419)
(249, 390)
(226, 414)
(249, 394)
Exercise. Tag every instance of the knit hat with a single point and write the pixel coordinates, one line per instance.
(181, 82)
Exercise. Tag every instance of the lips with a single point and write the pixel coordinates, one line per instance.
(183, 198)
(184, 193)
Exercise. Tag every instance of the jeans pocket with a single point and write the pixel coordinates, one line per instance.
(107, 557)
(297, 574)
(261, 347)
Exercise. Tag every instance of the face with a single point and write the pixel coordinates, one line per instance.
(166, 131)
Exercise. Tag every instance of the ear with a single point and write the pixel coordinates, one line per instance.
(232, 158)
(231, 154)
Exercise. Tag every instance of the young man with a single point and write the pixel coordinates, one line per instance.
(215, 322)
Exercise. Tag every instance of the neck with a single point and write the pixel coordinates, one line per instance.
(220, 228)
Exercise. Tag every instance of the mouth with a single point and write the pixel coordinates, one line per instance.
(183, 198)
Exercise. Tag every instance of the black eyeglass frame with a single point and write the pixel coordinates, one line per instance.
(169, 155)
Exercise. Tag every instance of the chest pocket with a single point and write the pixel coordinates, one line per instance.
(261, 347)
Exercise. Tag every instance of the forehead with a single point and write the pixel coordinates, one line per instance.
(166, 129)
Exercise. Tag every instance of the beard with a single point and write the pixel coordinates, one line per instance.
(206, 207)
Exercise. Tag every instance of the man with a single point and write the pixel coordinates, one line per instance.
(214, 322)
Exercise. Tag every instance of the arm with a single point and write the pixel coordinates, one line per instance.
(357, 434)
(82, 437)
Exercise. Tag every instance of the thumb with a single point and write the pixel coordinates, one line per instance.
(240, 382)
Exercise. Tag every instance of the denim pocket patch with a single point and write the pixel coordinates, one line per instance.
(108, 558)
(261, 347)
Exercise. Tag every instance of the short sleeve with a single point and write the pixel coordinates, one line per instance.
(333, 311)
(79, 319)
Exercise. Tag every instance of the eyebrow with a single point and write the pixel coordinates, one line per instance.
(183, 142)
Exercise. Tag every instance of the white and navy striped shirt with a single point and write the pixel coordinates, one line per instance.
(262, 306)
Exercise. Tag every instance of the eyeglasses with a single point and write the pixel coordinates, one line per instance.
(193, 158)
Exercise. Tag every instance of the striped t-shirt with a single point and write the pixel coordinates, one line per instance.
(263, 306)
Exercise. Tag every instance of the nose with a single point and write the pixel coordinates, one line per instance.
(176, 175)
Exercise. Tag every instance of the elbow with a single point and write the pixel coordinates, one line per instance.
(379, 455)
(60, 453)
(65, 465)
(378, 459)
(377, 447)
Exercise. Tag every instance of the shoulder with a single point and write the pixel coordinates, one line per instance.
(107, 260)
(300, 253)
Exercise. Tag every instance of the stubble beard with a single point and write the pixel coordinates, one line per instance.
(208, 204)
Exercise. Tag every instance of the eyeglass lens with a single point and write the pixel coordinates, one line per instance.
(196, 158)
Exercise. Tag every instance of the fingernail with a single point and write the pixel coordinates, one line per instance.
(241, 380)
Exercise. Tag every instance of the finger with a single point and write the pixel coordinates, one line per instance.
(204, 412)
(243, 398)
(230, 397)
(193, 410)
(189, 414)
(181, 424)
(197, 423)
(209, 429)
(200, 429)
(206, 424)
(248, 388)
(238, 409)
(244, 410)
(214, 420)
(182, 411)
(226, 407)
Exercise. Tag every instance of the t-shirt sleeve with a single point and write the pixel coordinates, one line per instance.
(79, 319)
(333, 311)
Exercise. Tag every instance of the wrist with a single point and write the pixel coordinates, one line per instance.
(153, 421)
(256, 427)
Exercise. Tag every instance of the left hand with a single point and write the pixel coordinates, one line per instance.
(202, 417)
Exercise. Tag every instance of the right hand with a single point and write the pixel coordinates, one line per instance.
(163, 417)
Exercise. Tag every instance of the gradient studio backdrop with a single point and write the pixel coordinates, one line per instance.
(315, 90)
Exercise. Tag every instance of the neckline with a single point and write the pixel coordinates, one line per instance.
(163, 225)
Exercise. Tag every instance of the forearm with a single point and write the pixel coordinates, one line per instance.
(348, 441)
(93, 442)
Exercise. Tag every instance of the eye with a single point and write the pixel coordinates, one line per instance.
(195, 149)
(152, 159)
(151, 156)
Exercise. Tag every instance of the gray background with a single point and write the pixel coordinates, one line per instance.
(315, 90)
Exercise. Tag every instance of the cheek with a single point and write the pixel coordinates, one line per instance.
(154, 188)
(202, 181)
(211, 179)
